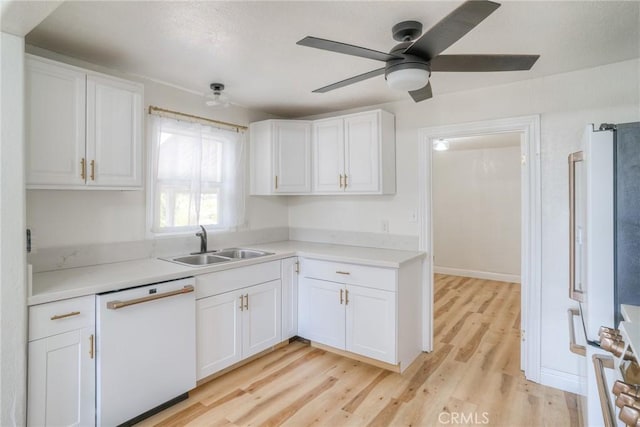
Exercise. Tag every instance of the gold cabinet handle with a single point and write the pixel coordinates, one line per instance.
(241, 303)
(573, 347)
(91, 346)
(341, 181)
(116, 305)
(64, 316)
(93, 170)
(83, 169)
(276, 182)
(601, 362)
(343, 272)
(574, 293)
(246, 302)
(346, 297)
(341, 292)
(345, 180)
(298, 267)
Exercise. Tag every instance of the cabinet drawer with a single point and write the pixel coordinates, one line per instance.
(236, 278)
(352, 274)
(61, 316)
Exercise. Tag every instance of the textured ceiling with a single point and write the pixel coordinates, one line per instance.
(251, 46)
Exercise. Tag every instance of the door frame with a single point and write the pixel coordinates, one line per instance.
(531, 271)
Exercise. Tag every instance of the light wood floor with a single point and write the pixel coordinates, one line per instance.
(471, 377)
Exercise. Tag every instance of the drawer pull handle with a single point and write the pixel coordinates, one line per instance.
(573, 347)
(343, 272)
(600, 363)
(341, 293)
(241, 303)
(83, 169)
(246, 302)
(115, 305)
(91, 346)
(93, 170)
(346, 297)
(64, 316)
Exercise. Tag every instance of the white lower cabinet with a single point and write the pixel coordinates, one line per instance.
(239, 323)
(323, 312)
(290, 271)
(61, 364)
(352, 318)
(355, 308)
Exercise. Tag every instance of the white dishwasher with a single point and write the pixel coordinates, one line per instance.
(146, 350)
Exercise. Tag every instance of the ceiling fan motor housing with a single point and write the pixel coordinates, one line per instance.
(407, 61)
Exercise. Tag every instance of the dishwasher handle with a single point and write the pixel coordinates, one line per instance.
(115, 305)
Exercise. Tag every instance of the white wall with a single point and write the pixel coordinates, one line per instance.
(78, 217)
(13, 295)
(566, 102)
(476, 212)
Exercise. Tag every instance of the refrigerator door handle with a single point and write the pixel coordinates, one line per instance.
(574, 293)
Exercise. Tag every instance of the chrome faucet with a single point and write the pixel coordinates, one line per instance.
(203, 239)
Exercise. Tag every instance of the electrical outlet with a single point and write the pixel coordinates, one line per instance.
(385, 225)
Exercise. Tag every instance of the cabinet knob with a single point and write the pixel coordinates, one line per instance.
(622, 387)
(630, 416)
(625, 399)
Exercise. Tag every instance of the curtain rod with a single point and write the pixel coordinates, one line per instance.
(164, 112)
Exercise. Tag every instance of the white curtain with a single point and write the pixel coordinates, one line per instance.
(197, 176)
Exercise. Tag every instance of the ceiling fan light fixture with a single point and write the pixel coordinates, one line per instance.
(217, 98)
(408, 79)
(441, 144)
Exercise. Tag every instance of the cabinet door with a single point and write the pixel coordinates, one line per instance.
(362, 153)
(290, 268)
(55, 132)
(262, 318)
(371, 323)
(292, 156)
(61, 389)
(323, 318)
(328, 155)
(218, 333)
(114, 133)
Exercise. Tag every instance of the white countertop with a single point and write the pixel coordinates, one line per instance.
(74, 282)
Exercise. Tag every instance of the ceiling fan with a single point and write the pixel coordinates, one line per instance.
(409, 64)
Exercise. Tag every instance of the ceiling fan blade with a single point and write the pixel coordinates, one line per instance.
(451, 28)
(422, 94)
(483, 62)
(347, 49)
(351, 80)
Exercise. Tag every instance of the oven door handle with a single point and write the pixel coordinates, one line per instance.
(115, 305)
(574, 293)
(599, 363)
(575, 348)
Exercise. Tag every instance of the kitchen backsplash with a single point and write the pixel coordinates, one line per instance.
(56, 258)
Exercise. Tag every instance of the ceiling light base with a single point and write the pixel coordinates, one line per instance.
(217, 87)
(406, 31)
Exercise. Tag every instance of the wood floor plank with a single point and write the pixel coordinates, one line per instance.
(472, 377)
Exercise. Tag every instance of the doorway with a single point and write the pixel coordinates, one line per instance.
(529, 129)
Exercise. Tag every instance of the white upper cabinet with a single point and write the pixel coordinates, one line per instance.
(84, 129)
(280, 157)
(355, 154)
(55, 123)
(114, 132)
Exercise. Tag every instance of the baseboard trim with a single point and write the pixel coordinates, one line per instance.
(487, 275)
(560, 380)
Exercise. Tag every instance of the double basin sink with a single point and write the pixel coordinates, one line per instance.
(224, 255)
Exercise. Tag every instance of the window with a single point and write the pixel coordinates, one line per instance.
(197, 176)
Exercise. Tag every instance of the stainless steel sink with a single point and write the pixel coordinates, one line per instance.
(224, 255)
(199, 259)
(241, 253)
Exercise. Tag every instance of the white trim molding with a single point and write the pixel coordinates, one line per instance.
(529, 128)
(560, 380)
(477, 274)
